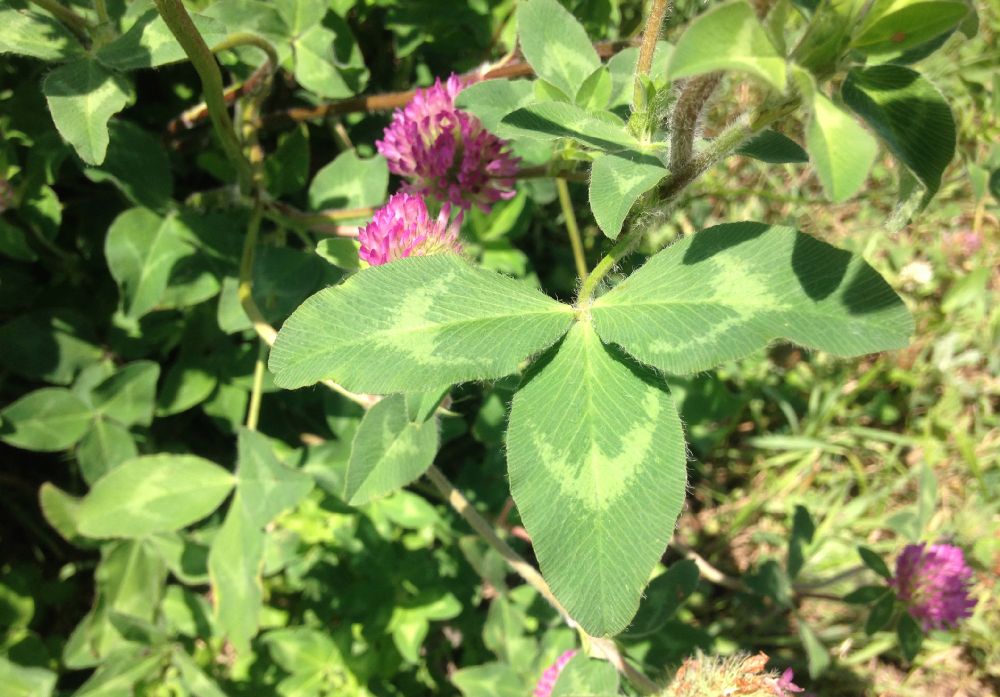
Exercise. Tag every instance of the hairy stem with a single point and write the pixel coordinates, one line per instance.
(518, 563)
(248, 39)
(654, 22)
(686, 114)
(183, 29)
(572, 228)
(101, 7)
(76, 23)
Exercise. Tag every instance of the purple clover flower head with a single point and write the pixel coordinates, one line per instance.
(551, 674)
(445, 152)
(403, 228)
(934, 583)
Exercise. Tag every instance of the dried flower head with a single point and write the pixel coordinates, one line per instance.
(403, 228)
(934, 583)
(445, 152)
(551, 674)
(723, 676)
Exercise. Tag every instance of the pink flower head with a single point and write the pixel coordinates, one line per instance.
(445, 152)
(783, 685)
(551, 674)
(934, 584)
(403, 228)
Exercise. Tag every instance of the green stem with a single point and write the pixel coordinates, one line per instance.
(248, 39)
(572, 228)
(76, 23)
(245, 288)
(101, 7)
(183, 29)
(654, 22)
(256, 392)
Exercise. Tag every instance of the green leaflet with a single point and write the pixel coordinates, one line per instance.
(548, 120)
(264, 488)
(596, 459)
(616, 183)
(129, 396)
(22, 681)
(909, 115)
(82, 97)
(491, 100)
(350, 182)
(729, 290)
(586, 677)
(389, 451)
(153, 493)
(416, 324)
(892, 26)
(727, 37)
(49, 419)
(35, 34)
(841, 150)
(555, 44)
(771, 146)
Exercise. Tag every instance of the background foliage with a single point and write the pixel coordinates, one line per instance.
(126, 367)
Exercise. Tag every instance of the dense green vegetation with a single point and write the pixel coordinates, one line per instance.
(174, 520)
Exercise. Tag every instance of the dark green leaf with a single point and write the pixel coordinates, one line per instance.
(773, 147)
(880, 613)
(911, 636)
(49, 419)
(874, 562)
(909, 115)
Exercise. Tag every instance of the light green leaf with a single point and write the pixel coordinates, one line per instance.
(841, 150)
(22, 681)
(555, 44)
(153, 493)
(299, 15)
(415, 324)
(491, 100)
(106, 445)
(266, 486)
(892, 26)
(389, 451)
(586, 677)
(727, 37)
(908, 114)
(595, 91)
(616, 183)
(773, 147)
(350, 182)
(49, 419)
(550, 120)
(315, 68)
(596, 458)
(141, 249)
(816, 652)
(83, 96)
(31, 33)
(235, 562)
(129, 395)
(729, 290)
(340, 252)
(622, 68)
(193, 677)
(149, 43)
(60, 510)
(490, 680)
(186, 384)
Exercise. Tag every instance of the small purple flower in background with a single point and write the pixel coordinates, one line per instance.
(551, 674)
(445, 152)
(403, 228)
(783, 685)
(934, 582)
